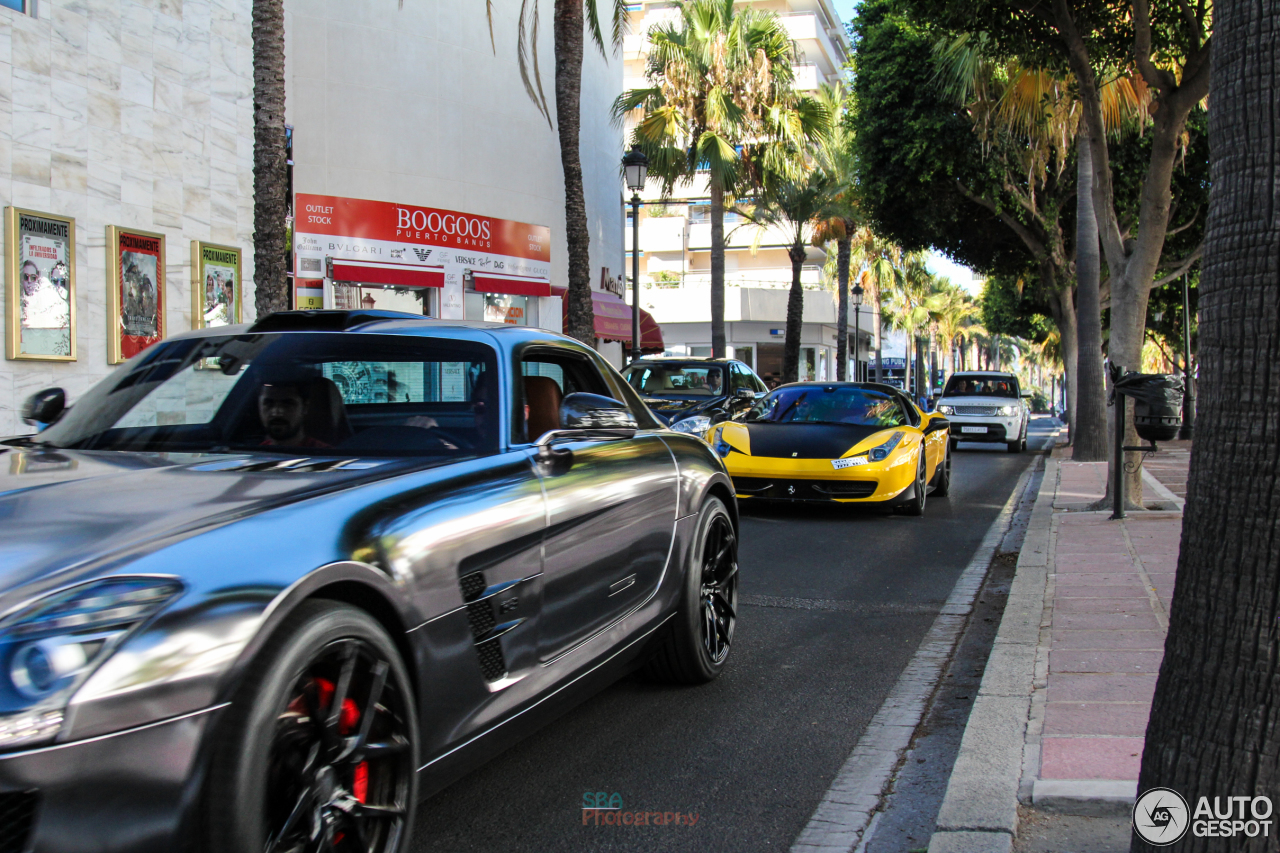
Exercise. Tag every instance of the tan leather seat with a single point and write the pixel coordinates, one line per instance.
(542, 396)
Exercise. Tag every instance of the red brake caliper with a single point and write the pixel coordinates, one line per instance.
(347, 722)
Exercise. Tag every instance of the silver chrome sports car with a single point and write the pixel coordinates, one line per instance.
(265, 586)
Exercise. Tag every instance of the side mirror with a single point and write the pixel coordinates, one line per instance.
(1026, 394)
(936, 424)
(595, 411)
(744, 394)
(44, 407)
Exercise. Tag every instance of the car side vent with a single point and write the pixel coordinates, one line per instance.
(288, 465)
(17, 815)
(325, 321)
(481, 619)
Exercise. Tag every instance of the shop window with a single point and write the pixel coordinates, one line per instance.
(744, 355)
(808, 364)
(26, 6)
(700, 352)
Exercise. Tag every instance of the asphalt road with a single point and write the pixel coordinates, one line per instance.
(835, 602)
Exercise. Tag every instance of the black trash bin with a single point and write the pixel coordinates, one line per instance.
(1157, 404)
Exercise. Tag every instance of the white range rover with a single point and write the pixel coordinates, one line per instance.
(986, 406)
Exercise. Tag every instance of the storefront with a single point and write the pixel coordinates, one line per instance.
(355, 253)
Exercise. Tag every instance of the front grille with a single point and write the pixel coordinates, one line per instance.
(491, 662)
(804, 490)
(480, 617)
(17, 814)
(472, 585)
(976, 411)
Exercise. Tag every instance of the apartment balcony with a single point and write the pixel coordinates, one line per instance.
(659, 234)
(817, 45)
(739, 234)
(807, 77)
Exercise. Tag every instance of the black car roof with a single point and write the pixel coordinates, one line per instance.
(874, 386)
(677, 359)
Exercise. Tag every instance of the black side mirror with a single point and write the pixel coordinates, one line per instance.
(44, 407)
(744, 394)
(595, 411)
(936, 424)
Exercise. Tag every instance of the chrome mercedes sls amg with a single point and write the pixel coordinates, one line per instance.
(265, 587)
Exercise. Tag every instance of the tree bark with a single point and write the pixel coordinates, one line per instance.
(795, 317)
(569, 34)
(1089, 428)
(1216, 712)
(879, 337)
(717, 270)
(270, 178)
(843, 247)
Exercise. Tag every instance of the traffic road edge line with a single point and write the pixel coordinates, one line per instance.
(856, 794)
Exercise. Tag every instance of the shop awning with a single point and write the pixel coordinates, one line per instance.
(398, 275)
(515, 285)
(613, 320)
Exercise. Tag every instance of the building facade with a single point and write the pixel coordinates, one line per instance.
(412, 120)
(136, 117)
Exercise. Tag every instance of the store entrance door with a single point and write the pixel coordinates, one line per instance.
(769, 363)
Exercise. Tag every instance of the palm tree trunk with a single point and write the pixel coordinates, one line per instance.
(843, 247)
(569, 23)
(908, 373)
(1089, 428)
(270, 205)
(1213, 720)
(795, 317)
(879, 337)
(717, 270)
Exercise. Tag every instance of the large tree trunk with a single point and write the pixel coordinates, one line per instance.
(717, 270)
(1089, 429)
(569, 25)
(795, 317)
(1216, 713)
(879, 339)
(908, 375)
(1062, 307)
(270, 204)
(843, 247)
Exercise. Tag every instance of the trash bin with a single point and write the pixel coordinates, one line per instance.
(1157, 404)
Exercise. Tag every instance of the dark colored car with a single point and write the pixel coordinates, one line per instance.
(265, 586)
(691, 394)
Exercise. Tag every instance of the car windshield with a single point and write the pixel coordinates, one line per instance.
(322, 394)
(676, 380)
(840, 404)
(981, 386)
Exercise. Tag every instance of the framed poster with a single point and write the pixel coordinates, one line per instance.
(215, 285)
(40, 285)
(135, 291)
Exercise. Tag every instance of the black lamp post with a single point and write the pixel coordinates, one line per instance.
(856, 296)
(636, 167)
(1188, 395)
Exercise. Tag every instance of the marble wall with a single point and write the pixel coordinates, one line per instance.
(135, 113)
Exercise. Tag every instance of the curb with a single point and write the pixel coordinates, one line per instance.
(979, 812)
(849, 806)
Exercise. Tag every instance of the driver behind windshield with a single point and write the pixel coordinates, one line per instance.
(282, 408)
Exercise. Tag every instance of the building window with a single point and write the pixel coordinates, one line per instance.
(27, 6)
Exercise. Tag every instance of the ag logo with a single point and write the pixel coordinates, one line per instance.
(1160, 816)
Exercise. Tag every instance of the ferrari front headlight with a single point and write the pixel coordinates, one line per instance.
(50, 647)
(721, 447)
(881, 452)
(696, 425)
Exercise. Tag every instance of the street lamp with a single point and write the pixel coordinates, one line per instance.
(1188, 395)
(856, 296)
(636, 167)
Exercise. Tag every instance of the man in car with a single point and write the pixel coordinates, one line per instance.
(713, 382)
(282, 407)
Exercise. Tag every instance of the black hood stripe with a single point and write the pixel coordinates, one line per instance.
(805, 441)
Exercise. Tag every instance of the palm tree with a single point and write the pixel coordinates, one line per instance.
(794, 205)
(720, 100)
(949, 308)
(270, 200)
(906, 310)
(571, 18)
(878, 259)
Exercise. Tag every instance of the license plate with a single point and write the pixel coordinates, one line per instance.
(973, 429)
(848, 463)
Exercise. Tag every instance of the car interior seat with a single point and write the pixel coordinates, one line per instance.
(542, 395)
(326, 418)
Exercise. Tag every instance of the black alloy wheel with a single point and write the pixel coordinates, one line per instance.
(942, 477)
(318, 751)
(694, 646)
(719, 589)
(339, 775)
(915, 506)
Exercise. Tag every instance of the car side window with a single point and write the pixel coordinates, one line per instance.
(547, 377)
(908, 411)
(741, 379)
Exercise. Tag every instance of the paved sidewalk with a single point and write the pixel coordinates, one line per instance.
(1073, 667)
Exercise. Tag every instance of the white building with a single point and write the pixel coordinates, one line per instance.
(137, 115)
(140, 115)
(675, 233)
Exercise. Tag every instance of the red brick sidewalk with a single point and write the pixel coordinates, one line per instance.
(1107, 603)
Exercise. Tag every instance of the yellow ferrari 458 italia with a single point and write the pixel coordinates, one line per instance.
(848, 442)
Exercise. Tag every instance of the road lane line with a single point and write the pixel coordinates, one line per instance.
(855, 796)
